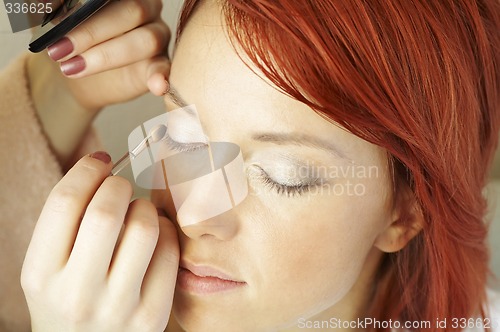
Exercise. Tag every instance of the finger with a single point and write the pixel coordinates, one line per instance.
(159, 282)
(158, 73)
(99, 230)
(113, 20)
(135, 250)
(127, 81)
(141, 43)
(58, 224)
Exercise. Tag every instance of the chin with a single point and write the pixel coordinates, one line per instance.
(192, 318)
(196, 319)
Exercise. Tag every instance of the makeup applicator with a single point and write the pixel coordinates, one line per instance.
(155, 135)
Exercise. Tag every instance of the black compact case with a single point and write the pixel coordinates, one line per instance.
(61, 21)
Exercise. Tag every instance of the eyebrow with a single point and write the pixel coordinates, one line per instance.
(276, 138)
(175, 97)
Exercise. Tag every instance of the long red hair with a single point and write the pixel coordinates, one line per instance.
(420, 79)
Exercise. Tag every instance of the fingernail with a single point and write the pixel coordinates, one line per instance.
(102, 156)
(73, 66)
(60, 49)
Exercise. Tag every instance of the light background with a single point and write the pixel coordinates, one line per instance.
(116, 122)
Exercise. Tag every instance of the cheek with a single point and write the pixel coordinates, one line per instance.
(318, 246)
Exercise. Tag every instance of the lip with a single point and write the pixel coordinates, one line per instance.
(203, 279)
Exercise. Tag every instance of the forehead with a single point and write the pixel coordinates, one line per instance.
(206, 69)
(208, 72)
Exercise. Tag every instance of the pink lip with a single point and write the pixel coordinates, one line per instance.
(202, 279)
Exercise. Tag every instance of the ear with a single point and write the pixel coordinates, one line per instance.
(407, 221)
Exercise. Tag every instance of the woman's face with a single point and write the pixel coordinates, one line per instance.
(301, 245)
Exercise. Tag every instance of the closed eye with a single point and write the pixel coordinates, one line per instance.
(288, 190)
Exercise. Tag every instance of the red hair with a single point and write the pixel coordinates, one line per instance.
(420, 79)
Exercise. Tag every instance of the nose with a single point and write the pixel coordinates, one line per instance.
(222, 227)
(204, 197)
(203, 206)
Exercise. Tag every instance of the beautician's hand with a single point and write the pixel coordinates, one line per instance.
(96, 262)
(112, 57)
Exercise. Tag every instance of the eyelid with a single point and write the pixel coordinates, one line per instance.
(303, 181)
(186, 132)
(287, 190)
(294, 168)
(184, 125)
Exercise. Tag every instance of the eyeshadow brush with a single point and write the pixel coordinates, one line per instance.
(156, 134)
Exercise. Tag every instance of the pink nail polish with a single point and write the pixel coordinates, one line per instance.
(102, 156)
(60, 49)
(73, 66)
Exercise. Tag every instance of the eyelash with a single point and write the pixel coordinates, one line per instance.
(286, 190)
(183, 147)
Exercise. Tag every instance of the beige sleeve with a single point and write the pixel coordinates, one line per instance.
(28, 171)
